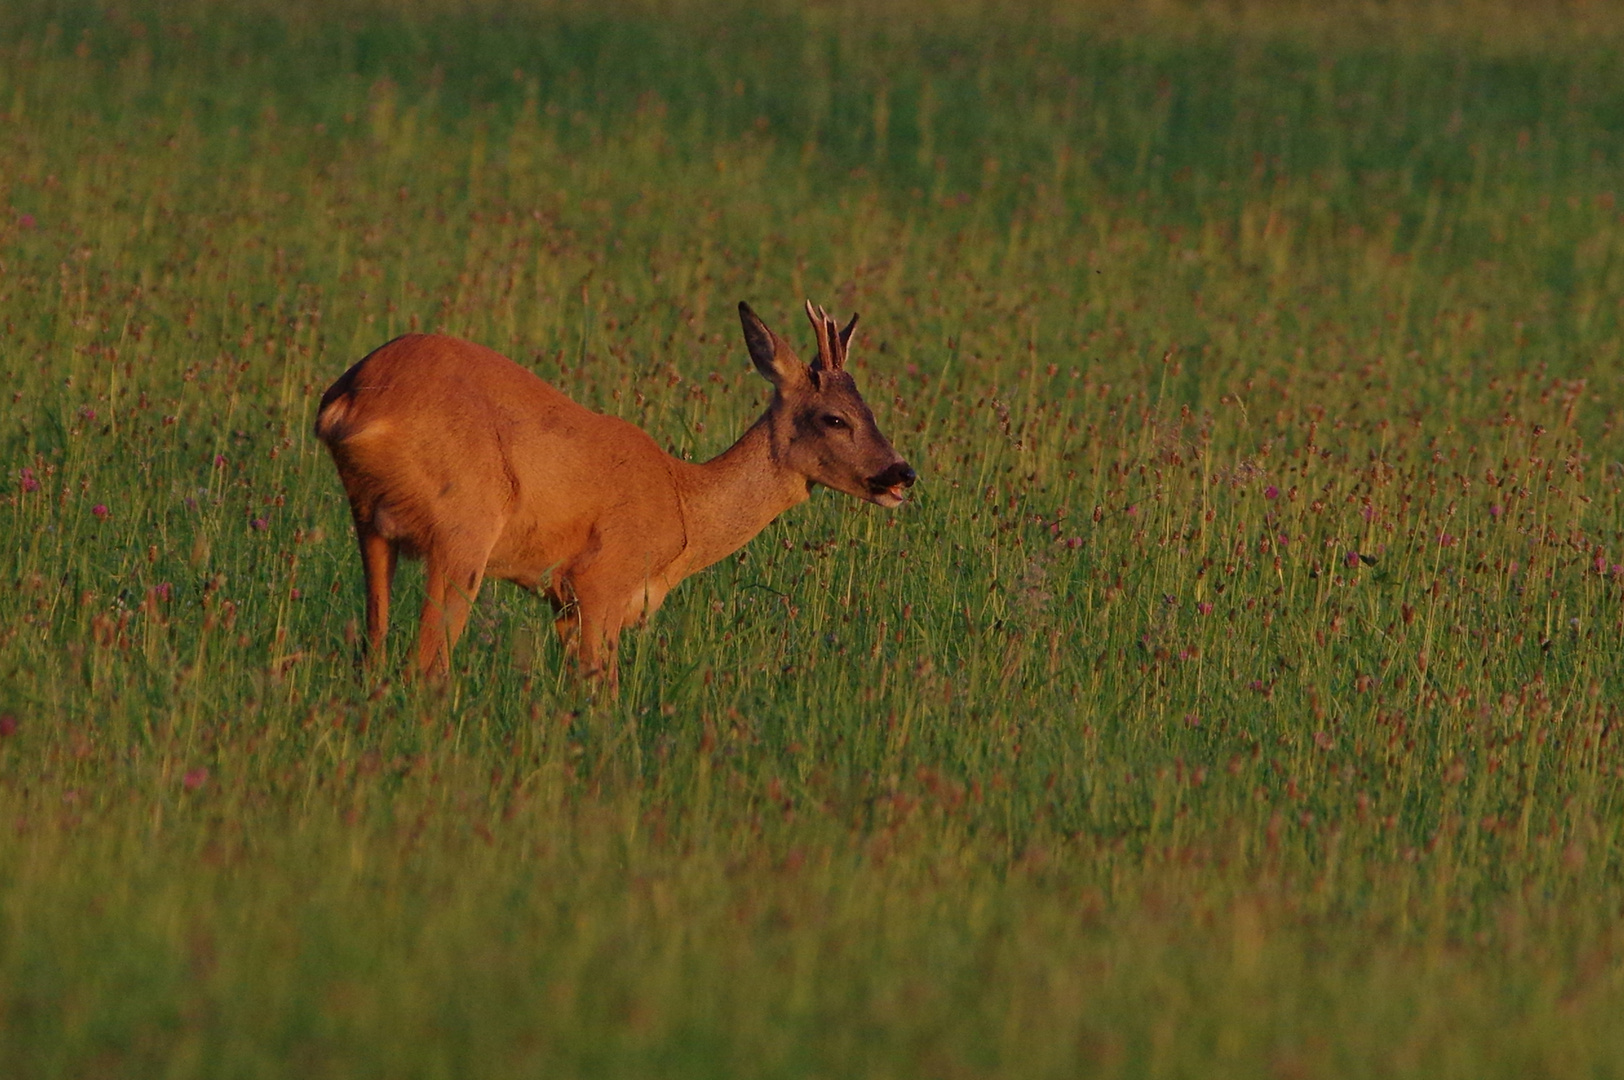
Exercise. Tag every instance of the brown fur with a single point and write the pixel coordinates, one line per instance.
(454, 453)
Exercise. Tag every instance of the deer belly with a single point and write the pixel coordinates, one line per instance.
(531, 557)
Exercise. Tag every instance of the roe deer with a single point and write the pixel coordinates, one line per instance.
(454, 453)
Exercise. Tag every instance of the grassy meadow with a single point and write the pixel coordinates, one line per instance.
(1239, 696)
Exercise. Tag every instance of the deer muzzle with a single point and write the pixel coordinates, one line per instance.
(890, 488)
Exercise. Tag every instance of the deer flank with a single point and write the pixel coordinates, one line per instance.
(453, 453)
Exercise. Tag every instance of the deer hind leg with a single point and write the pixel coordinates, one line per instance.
(379, 556)
(453, 579)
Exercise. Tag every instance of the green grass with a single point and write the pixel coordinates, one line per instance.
(1108, 756)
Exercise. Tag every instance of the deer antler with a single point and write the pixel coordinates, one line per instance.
(832, 340)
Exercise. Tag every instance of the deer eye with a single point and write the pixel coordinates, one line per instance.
(830, 420)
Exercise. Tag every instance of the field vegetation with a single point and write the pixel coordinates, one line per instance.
(1240, 695)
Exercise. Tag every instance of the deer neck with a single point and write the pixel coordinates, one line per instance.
(728, 500)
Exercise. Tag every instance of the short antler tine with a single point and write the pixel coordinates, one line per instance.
(837, 343)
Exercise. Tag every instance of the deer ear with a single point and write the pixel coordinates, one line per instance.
(845, 335)
(772, 358)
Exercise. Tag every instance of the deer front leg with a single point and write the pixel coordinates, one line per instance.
(591, 638)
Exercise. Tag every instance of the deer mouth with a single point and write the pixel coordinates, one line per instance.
(890, 488)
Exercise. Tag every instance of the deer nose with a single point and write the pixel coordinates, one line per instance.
(899, 474)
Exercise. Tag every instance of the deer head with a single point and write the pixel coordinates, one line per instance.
(820, 425)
